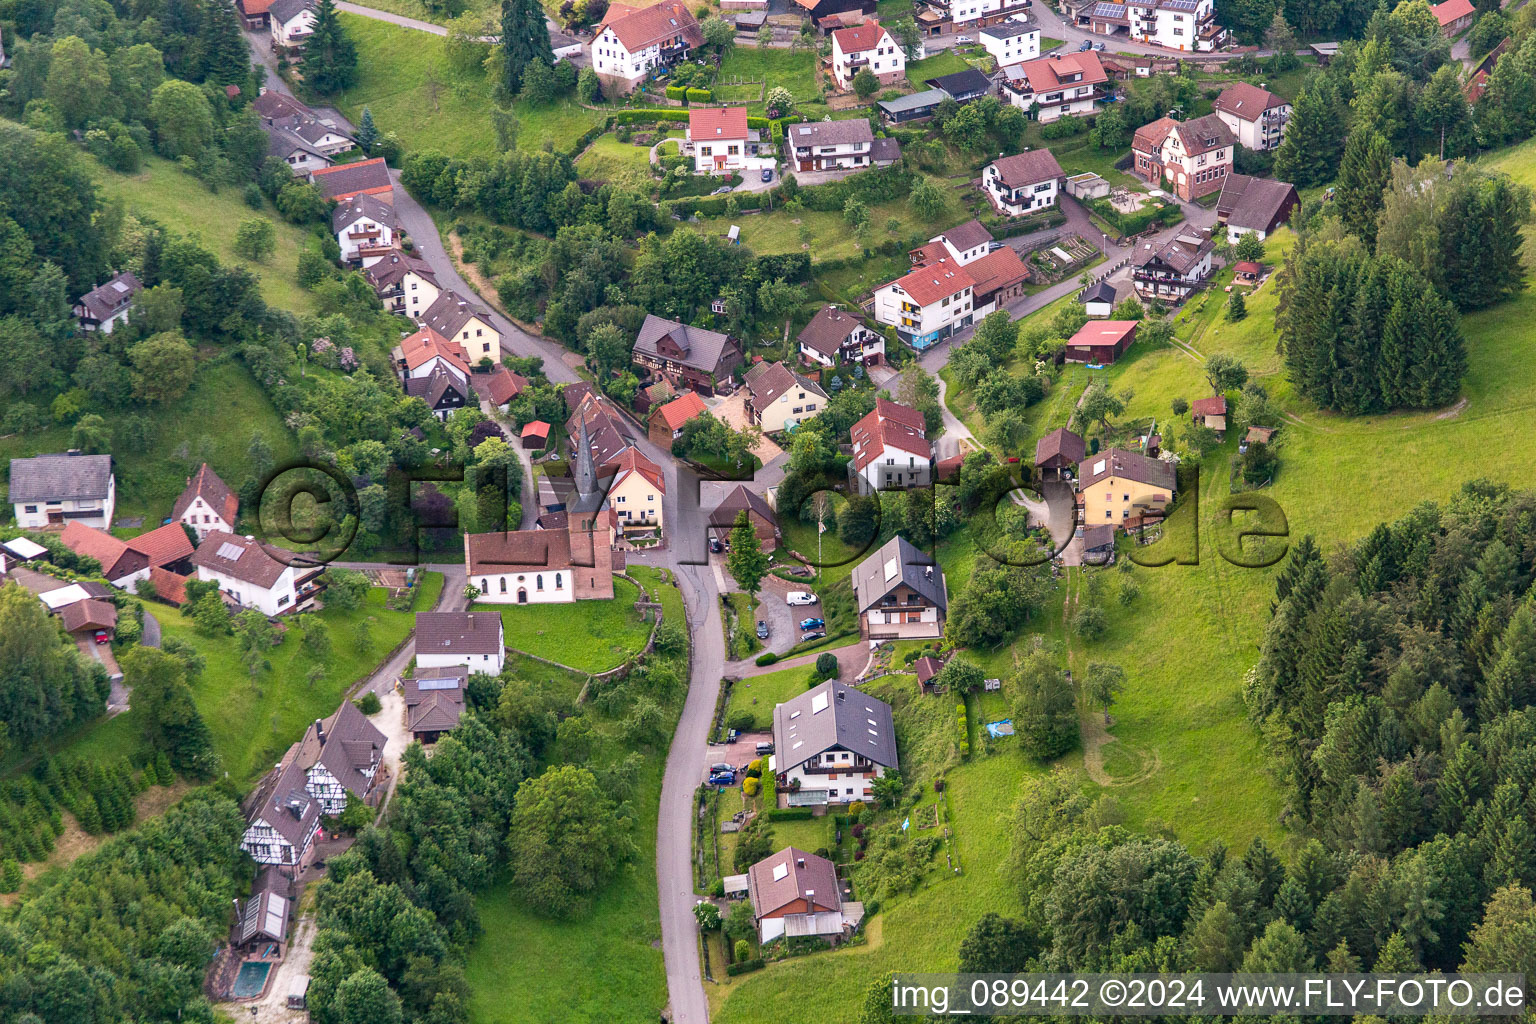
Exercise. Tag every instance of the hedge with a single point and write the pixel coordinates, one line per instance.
(677, 92)
(789, 813)
(743, 966)
(1008, 227)
(767, 658)
(1135, 223)
(697, 95)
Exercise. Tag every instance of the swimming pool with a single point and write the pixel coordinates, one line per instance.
(250, 981)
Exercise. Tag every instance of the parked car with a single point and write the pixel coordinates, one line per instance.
(1098, 46)
(767, 173)
(765, 748)
(102, 637)
(1087, 45)
(798, 597)
(815, 634)
(964, 39)
(714, 546)
(801, 570)
(812, 623)
(762, 630)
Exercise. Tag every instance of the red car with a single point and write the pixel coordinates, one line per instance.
(102, 637)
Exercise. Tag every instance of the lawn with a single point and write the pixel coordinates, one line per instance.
(254, 721)
(181, 203)
(603, 968)
(591, 636)
(749, 64)
(622, 163)
(760, 694)
(403, 79)
(417, 10)
(215, 420)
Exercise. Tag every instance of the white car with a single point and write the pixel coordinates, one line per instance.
(963, 39)
(795, 597)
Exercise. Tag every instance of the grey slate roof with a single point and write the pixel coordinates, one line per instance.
(968, 235)
(833, 716)
(285, 11)
(1253, 203)
(1009, 29)
(876, 576)
(739, 500)
(913, 101)
(703, 347)
(828, 329)
(60, 477)
(458, 633)
(451, 311)
(831, 133)
(962, 83)
(1181, 252)
(1116, 462)
(1100, 291)
(360, 206)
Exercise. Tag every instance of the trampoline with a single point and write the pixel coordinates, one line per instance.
(250, 981)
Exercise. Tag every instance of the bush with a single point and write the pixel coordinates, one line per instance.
(741, 721)
(767, 658)
(826, 665)
(677, 92)
(369, 703)
(855, 809)
(743, 966)
(742, 950)
(751, 786)
(1064, 127)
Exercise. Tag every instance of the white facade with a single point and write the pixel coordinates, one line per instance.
(97, 512)
(266, 845)
(886, 60)
(897, 468)
(1067, 101)
(273, 600)
(862, 344)
(363, 232)
(845, 776)
(1023, 199)
(432, 365)
(418, 293)
(295, 30)
(963, 256)
(1261, 133)
(1176, 30)
(899, 615)
(924, 323)
(723, 156)
(1008, 47)
(554, 586)
(203, 518)
(330, 794)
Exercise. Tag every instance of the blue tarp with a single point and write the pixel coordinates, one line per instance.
(1003, 728)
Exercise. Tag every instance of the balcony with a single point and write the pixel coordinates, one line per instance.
(860, 764)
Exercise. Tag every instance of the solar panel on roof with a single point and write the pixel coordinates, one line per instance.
(437, 684)
(231, 552)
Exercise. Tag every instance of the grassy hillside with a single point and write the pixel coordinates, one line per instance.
(184, 205)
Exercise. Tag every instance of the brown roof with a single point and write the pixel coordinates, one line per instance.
(450, 311)
(702, 349)
(344, 181)
(437, 679)
(517, 551)
(164, 545)
(1028, 168)
(436, 386)
(789, 875)
(387, 272)
(888, 423)
(169, 586)
(773, 381)
(1452, 11)
(927, 667)
(575, 393)
(1181, 252)
(1260, 434)
(1000, 268)
(1249, 267)
(829, 133)
(214, 492)
(1103, 334)
(1060, 443)
(970, 234)
(1116, 462)
(111, 297)
(740, 499)
(860, 37)
(828, 329)
(1203, 134)
(438, 712)
(632, 460)
(1216, 405)
(499, 386)
(346, 744)
(638, 29)
(928, 284)
(1247, 101)
(233, 555)
(284, 803)
(717, 123)
(88, 614)
(460, 632)
(1149, 137)
(1254, 203)
(116, 557)
(680, 410)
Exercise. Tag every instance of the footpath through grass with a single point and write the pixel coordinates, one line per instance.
(592, 636)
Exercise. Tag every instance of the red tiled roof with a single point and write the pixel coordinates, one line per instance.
(344, 181)
(102, 546)
(1249, 267)
(632, 460)
(251, 8)
(1452, 11)
(640, 28)
(717, 123)
(928, 284)
(1247, 101)
(888, 423)
(162, 546)
(538, 428)
(214, 492)
(860, 37)
(1000, 268)
(1046, 74)
(1102, 333)
(680, 410)
(88, 614)
(170, 586)
(427, 343)
(1216, 405)
(500, 386)
(1149, 137)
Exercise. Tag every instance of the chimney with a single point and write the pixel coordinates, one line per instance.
(296, 807)
(320, 730)
(800, 861)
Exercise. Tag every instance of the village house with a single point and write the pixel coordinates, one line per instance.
(51, 490)
(928, 304)
(1210, 412)
(779, 399)
(795, 895)
(1454, 16)
(891, 448)
(637, 491)
(964, 244)
(548, 566)
(1070, 85)
(632, 44)
(475, 640)
(1254, 205)
(425, 352)
(282, 820)
(1175, 269)
(836, 335)
(690, 358)
(291, 22)
(1190, 158)
(361, 222)
(1098, 299)
(666, 420)
(125, 562)
(107, 305)
(1116, 486)
(1187, 25)
(405, 284)
(831, 743)
(1011, 42)
(252, 575)
(253, 13)
(962, 86)
(1256, 117)
(340, 755)
(998, 279)
(831, 145)
(466, 321)
(499, 387)
(297, 135)
(721, 143)
(722, 518)
(1023, 183)
(871, 46)
(434, 701)
(899, 594)
(444, 390)
(346, 181)
(965, 15)
(1101, 342)
(1058, 453)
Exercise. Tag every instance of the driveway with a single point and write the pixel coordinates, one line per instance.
(783, 626)
(733, 413)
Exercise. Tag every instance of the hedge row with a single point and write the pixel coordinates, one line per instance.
(1135, 223)
(743, 966)
(1009, 227)
(767, 658)
(789, 813)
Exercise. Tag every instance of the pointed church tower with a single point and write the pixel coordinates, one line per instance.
(584, 473)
